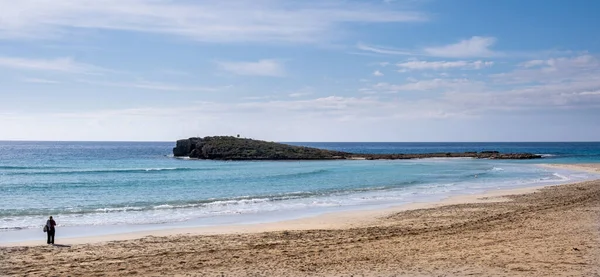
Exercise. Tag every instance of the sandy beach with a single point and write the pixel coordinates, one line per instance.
(591, 168)
(551, 231)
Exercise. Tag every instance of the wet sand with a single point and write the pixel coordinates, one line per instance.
(554, 231)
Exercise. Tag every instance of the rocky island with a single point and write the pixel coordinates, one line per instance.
(243, 149)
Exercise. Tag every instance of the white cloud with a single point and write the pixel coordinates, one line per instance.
(67, 65)
(385, 50)
(173, 72)
(590, 92)
(553, 70)
(261, 68)
(377, 73)
(475, 98)
(210, 21)
(441, 65)
(558, 83)
(532, 63)
(154, 86)
(261, 97)
(39, 81)
(336, 108)
(302, 92)
(563, 62)
(325, 118)
(473, 47)
(381, 64)
(317, 119)
(478, 98)
(545, 97)
(426, 85)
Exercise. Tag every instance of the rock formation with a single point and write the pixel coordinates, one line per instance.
(232, 148)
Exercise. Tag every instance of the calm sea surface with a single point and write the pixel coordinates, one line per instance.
(112, 184)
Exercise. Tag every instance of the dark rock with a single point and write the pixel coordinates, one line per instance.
(183, 147)
(232, 148)
(196, 154)
(515, 156)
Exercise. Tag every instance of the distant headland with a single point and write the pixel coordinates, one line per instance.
(243, 149)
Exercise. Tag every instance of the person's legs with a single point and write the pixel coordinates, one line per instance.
(51, 239)
(48, 233)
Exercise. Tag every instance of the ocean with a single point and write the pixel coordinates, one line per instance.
(96, 188)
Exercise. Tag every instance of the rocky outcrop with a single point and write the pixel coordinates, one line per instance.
(480, 155)
(183, 147)
(231, 148)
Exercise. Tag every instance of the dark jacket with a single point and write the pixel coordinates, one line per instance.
(51, 223)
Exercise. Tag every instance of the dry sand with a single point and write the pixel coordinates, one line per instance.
(592, 168)
(552, 232)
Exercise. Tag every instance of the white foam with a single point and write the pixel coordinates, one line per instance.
(163, 207)
(121, 209)
(183, 158)
(562, 177)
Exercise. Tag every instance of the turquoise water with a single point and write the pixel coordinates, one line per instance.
(140, 184)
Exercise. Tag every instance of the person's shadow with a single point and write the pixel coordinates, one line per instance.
(61, 245)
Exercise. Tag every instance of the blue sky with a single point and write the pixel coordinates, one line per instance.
(412, 70)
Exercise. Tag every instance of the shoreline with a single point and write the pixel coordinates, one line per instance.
(537, 231)
(326, 221)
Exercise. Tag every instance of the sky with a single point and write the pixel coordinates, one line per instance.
(341, 70)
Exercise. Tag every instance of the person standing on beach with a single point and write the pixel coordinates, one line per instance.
(50, 224)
